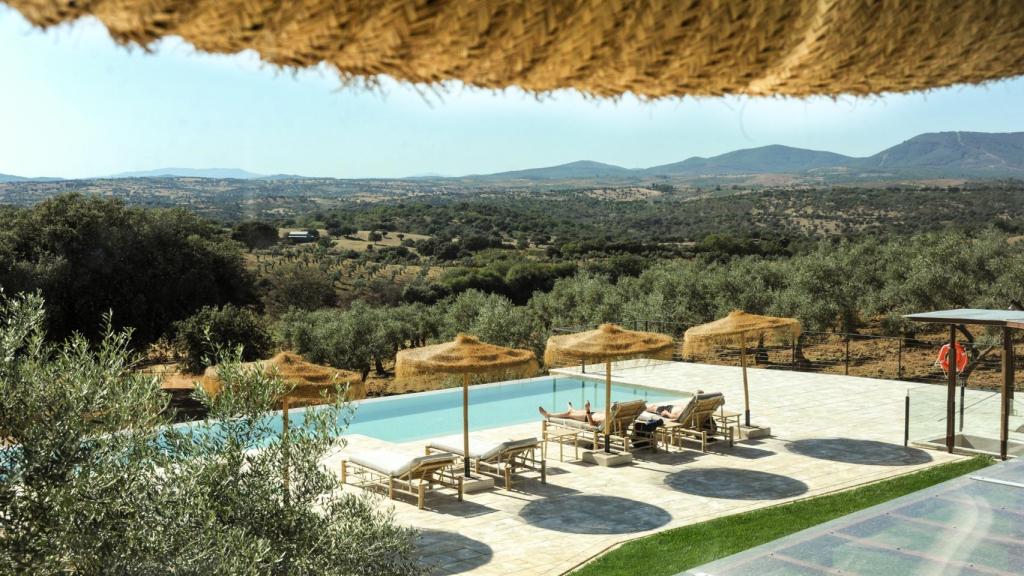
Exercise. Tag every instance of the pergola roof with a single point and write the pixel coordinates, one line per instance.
(1005, 318)
(654, 49)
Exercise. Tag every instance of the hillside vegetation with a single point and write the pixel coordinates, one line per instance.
(384, 276)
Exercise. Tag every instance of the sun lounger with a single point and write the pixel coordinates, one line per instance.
(697, 421)
(497, 459)
(398, 473)
(562, 430)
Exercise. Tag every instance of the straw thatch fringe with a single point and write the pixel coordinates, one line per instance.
(738, 328)
(609, 47)
(312, 382)
(608, 342)
(464, 355)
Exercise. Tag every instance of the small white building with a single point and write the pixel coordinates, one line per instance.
(301, 236)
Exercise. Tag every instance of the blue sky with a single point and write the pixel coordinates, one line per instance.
(74, 104)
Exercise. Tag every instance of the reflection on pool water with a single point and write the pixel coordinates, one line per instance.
(431, 414)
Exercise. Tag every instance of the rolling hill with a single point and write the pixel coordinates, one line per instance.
(953, 154)
(774, 159)
(570, 171)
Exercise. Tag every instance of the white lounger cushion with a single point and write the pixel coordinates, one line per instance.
(570, 423)
(393, 464)
(479, 449)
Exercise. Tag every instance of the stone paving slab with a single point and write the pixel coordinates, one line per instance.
(830, 433)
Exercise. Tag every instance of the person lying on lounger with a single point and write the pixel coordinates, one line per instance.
(585, 415)
(669, 411)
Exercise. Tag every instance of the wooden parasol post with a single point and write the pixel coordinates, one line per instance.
(607, 405)
(746, 388)
(284, 442)
(465, 421)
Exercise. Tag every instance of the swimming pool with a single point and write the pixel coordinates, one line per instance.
(431, 414)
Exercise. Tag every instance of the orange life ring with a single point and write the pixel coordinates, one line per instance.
(961, 358)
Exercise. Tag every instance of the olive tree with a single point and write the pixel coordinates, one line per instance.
(93, 480)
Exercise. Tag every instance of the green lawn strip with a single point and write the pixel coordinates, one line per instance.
(682, 548)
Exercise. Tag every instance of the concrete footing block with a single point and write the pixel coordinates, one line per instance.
(602, 458)
(477, 483)
(753, 432)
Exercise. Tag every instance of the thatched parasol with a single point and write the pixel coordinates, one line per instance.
(652, 49)
(465, 355)
(608, 342)
(735, 330)
(310, 382)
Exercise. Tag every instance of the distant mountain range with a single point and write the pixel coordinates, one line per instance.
(235, 173)
(939, 154)
(11, 178)
(931, 155)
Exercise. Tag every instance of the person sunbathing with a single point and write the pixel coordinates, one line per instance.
(585, 415)
(669, 411)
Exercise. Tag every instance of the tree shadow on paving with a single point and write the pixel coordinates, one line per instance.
(745, 452)
(855, 451)
(735, 484)
(593, 514)
(451, 553)
(452, 507)
(535, 488)
(672, 457)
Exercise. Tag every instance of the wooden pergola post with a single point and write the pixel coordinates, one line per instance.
(951, 391)
(1004, 393)
(1007, 320)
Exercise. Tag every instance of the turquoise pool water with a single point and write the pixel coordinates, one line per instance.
(431, 414)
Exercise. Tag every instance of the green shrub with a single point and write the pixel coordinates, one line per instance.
(200, 337)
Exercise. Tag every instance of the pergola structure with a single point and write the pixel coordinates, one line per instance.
(1007, 320)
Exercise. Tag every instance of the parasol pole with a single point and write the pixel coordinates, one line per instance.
(746, 389)
(465, 421)
(284, 439)
(607, 404)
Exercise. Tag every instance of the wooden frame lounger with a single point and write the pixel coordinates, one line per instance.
(700, 409)
(502, 460)
(403, 474)
(624, 414)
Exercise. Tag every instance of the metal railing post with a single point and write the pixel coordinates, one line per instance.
(906, 419)
(846, 369)
(899, 361)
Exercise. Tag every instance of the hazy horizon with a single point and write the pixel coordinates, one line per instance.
(84, 107)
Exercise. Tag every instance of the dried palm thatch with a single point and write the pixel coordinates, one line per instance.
(607, 342)
(653, 49)
(464, 355)
(736, 329)
(312, 382)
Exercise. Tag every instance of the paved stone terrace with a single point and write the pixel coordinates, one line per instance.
(829, 433)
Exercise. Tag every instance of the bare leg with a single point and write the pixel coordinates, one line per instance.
(572, 414)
